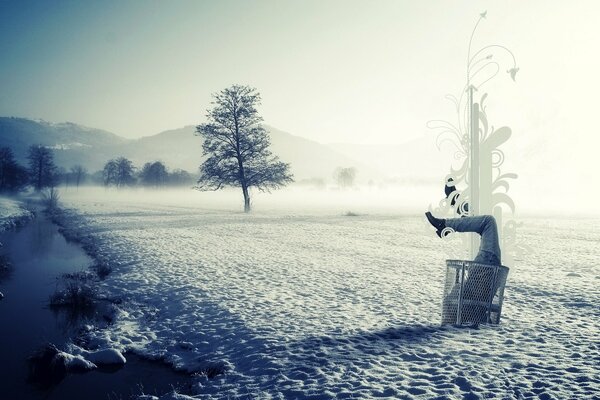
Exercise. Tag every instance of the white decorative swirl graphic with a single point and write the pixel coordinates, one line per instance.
(489, 195)
(446, 231)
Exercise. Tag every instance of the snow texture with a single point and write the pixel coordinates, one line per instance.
(12, 214)
(321, 305)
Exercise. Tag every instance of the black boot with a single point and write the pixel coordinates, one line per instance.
(438, 223)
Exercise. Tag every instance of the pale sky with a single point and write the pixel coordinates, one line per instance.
(332, 71)
(350, 71)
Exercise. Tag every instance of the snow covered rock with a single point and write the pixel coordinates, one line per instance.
(108, 356)
(75, 362)
(49, 364)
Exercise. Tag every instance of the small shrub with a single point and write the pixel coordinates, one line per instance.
(75, 292)
(50, 198)
(351, 214)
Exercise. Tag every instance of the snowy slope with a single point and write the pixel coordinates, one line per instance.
(311, 304)
(72, 143)
(181, 148)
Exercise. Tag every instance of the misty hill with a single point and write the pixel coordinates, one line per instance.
(72, 143)
(177, 148)
(180, 148)
(310, 159)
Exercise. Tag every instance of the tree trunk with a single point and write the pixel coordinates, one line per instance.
(246, 199)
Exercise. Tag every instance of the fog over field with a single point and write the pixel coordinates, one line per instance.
(295, 200)
(398, 199)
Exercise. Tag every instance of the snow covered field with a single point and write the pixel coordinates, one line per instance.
(297, 300)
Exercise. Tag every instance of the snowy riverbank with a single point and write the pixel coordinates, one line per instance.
(294, 305)
(13, 213)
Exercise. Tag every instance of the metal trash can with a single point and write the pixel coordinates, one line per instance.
(473, 292)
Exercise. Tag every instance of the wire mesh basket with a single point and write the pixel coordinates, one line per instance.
(473, 292)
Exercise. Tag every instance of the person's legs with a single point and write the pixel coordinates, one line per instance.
(478, 285)
(485, 225)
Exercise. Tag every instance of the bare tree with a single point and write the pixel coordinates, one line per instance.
(125, 172)
(13, 177)
(154, 174)
(109, 173)
(79, 173)
(42, 170)
(345, 176)
(118, 172)
(238, 147)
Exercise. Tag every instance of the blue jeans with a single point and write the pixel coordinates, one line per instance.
(485, 225)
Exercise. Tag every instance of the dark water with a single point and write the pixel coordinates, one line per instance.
(39, 254)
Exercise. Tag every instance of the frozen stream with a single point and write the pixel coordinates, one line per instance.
(39, 254)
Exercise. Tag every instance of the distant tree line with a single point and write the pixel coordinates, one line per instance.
(121, 172)
(42, 172)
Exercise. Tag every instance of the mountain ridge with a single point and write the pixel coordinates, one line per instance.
(177, 148)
